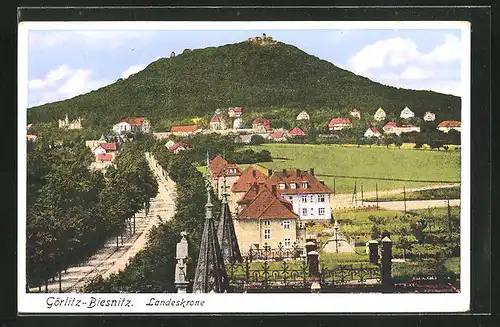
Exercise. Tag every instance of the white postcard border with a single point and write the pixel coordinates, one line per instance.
(250, 302)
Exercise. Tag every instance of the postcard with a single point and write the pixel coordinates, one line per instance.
(260, 167)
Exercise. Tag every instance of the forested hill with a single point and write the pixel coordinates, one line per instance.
(257, 77)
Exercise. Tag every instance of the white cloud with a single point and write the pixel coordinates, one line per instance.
(398, 62)
(51, 78)
(414, 72)
(63, 83)
(132, 70)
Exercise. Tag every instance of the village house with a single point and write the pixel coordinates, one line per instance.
(74, 124)
(408, 128)
(447, 125)
(407, 113)
(185, 130)
(132, 124)
(278, 136)
(241, 186)
(180, 146)
(105, 150)
(161, 135)
(220, 169)
(429, 116)
(218, 122)
(391, 128)
(379, 114)
(296, 131)
(266, 219)
(337, 124)
(355, 113)
(372, 132)
(309, 196)
(303, 115)
(238, 123)
(235, 112)
(261, 125)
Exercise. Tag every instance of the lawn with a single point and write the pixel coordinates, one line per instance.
(447, 193)
(340, 166)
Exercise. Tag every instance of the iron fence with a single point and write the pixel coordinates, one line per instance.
(294, 252)
(349, 274)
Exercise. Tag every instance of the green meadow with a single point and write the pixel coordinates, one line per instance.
(366, 166)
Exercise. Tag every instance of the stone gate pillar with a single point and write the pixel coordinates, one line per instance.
(386, 264)
(181, 282)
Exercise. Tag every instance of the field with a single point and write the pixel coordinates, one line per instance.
(433, 194)
(390, 168)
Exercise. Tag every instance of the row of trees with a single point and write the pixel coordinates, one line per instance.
(152, 269)
(71, 209)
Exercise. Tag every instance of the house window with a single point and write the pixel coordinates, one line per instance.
(304, 211)
(304, 185)
(312, 211)
(282, 186)
(293, 185)
(321, 198)
(267, 234)
(304, 198)
(267, 222)
(287, 242)
(321, 211)
(286, 225)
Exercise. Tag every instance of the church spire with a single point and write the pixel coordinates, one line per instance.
(210, 275)
(225, 232)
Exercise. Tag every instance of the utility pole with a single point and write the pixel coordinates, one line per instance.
(362, 197)
(354, 195)
(404, 197)
(376, 192)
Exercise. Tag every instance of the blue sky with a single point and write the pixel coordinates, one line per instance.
(63, 64)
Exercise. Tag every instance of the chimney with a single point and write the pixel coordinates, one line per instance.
(254, 173)
(311, 171)
(322, 182)
(273, 189)
(269, 172)
(283, 173)
(297, 171)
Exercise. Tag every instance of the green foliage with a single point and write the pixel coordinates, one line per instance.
(262, 79)
(71, 210)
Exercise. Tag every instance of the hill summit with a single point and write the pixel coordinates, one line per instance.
(249, 74)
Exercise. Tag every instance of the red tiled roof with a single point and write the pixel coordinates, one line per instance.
(261, 121)
(175, 146)
(104, 157)
(374, 130)
(184, 129)
(450, 123)
(277, 135)
(216, 164)
(297, 176)
(391, 124)
(236, 109)
(216, 118)
(335, 121)
(108, 146)
(133, 120)
(296, 131)
(266, 205)
(247, 178)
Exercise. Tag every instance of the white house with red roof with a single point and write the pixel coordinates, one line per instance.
(218, 122)
(132, 124)
(220, 169)
(309, 196)
(355, 113)
(296, 131)
(372, 132)
(278, 136)
(235, 112)
(105, 147)
(447, 125)
(261, 125)
(337, 124)
(179, 146)
(408, 128)
(184, 130)
(393, 128)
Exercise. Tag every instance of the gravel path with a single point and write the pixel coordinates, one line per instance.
(110, 258)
